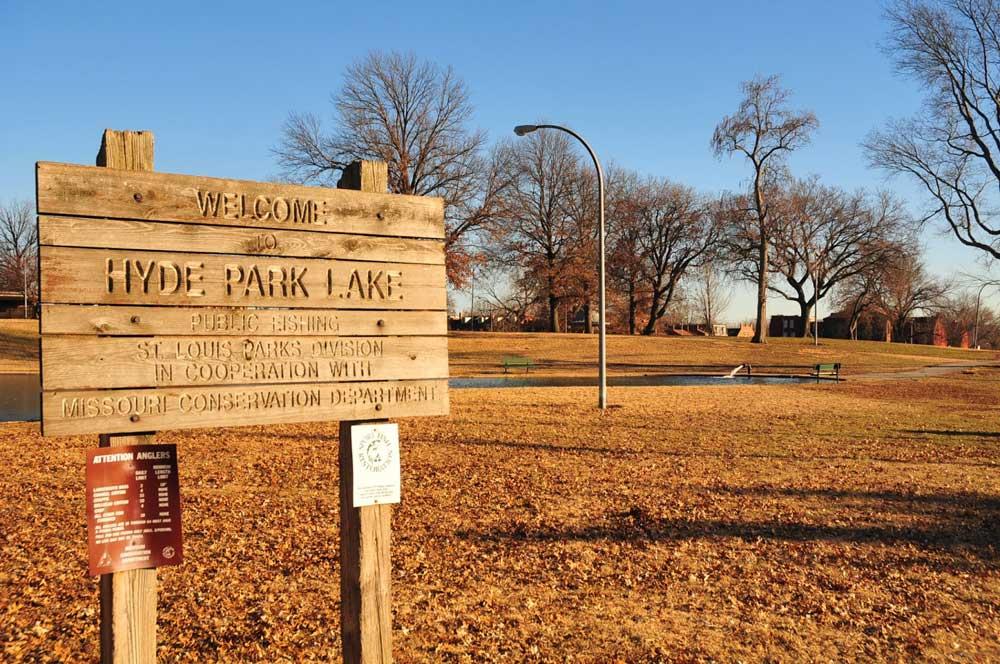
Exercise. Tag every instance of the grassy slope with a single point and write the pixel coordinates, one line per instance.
(482, 353)
(18, 345)
(852, 522)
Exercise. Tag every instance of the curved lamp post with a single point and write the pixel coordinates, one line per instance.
(521, 130)
(979, 297)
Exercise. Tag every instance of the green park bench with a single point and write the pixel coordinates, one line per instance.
(510, 361)
(827, 371)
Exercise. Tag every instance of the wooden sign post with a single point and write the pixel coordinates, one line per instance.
(128, 599)
(175, 301)
(365, 532)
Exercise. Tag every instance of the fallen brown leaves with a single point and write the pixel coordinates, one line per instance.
(792, 523)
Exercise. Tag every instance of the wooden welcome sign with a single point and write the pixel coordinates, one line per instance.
(172, 302)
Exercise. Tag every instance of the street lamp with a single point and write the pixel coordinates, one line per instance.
(979, 297)
(602, 400)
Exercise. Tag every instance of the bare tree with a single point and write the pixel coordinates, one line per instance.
(828, 236)
(625, 255)
(416, 117)
(676, 233)
(580, 270)
(516, 296)
(539, 236)
(764, 130)
(952, 48)
(712, 292)
(19, 249)
(906, 289)
(857, 297)
(962, 316)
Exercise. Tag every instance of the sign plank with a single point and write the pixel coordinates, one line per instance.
(155, 236)
(128, 362)
(235, 321)
(90, 411)
(66, 189)
(107, 276)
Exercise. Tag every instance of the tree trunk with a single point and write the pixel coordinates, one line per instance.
(631, 309)
(650, 326)
(553, 313)
(805, 310)
(760, 334)
(853, 324)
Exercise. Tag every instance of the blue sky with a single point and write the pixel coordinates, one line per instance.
(645, 82)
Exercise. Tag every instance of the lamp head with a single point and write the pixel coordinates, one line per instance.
(521, 130)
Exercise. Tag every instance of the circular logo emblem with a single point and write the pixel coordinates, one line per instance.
(375, 452)
(168, 552)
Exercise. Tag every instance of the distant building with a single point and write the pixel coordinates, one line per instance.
(471, 323)
(696, 330)
(683, 331)
(959, 334)
(578, 323)
(927, 330)
(785, 326)
(870, 327)
(12, 305)
(744, 330)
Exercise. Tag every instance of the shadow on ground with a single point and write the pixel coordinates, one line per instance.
(619, 453)
(961, 524)
(953, 432)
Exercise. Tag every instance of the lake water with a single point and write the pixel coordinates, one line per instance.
(19, 392)
(19, 397)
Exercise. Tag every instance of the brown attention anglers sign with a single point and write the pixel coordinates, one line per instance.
(133, 508)
(172, 301)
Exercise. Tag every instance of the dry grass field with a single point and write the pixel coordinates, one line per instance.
(481, 353)
(478, 353)
(18, 345)
(858, 521)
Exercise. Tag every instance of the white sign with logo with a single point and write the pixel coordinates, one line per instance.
(376, 463)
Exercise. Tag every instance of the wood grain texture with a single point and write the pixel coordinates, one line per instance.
(365, 532)
(83, 363)
(80, 276)
(366, 570)
(235, 321)
(126, 150)
(128, 599)
(75, 412)
(66, 189)
(365, 175)
(198, 238)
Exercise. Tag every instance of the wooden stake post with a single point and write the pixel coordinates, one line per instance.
(365, 532)
(128, 599)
